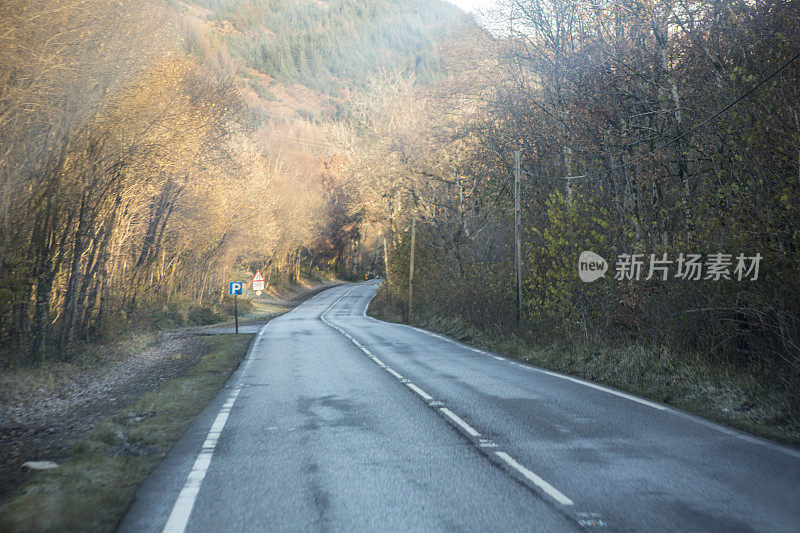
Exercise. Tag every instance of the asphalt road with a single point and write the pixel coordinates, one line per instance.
(339, 422)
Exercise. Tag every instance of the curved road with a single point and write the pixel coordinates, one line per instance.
(340, 422)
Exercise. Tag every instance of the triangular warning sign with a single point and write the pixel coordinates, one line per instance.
(258, 276)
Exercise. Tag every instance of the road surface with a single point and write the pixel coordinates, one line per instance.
(339, 422)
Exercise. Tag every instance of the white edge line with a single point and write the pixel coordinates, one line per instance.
(458, 420)
(554, 374)
(699, 420)
(606, 389)
(536, 480)
(182, 509)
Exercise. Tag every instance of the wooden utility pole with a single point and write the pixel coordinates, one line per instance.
(517, 234)
(386, 259)
(411, 268)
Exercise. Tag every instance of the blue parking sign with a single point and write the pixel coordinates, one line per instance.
(235, 287)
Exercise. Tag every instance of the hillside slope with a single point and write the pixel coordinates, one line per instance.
(304, 57)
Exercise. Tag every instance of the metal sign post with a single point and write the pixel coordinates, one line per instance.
(235, 288)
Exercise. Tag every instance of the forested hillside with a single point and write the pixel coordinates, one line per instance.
(151, 148)
(335, 45)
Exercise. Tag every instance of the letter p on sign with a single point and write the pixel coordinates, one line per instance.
(235, 288)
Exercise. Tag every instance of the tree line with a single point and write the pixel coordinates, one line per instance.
(645, 127)
(134, 182)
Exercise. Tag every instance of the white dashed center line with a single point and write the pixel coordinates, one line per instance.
(458, 420)
(394, 373)
(536, 480)
(540, 483)
(422, 393)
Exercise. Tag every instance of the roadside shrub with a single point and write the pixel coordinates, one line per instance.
(245, 306)
(200, 316)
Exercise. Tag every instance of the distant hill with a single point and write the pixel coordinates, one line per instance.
(327, 46)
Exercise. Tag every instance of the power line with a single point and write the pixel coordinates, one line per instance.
(679, 137)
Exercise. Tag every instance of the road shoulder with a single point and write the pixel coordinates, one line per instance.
(112, 425)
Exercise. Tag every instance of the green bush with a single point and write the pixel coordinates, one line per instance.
(200, 316)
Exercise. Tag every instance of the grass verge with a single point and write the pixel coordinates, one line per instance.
(743, 398)
(93, 488)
